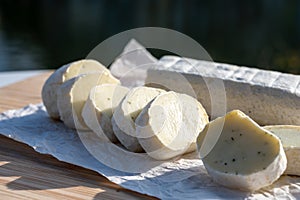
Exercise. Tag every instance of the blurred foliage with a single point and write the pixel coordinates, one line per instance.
(45, 34)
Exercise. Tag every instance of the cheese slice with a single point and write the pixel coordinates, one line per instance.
(239, 154)
(64, 73)
(169, 125)
(72, 94)
(99, 107)
(290, 138)
(123, 120)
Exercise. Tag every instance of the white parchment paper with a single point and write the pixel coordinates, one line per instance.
(183, 178)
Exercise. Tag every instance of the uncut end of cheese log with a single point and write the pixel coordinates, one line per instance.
(169, 125)
(99, 108)
(72, 94)
(64, 73)
(290, 138)
(239, 154)
(123, 120)
(268, 97)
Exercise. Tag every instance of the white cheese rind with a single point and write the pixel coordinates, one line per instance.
(99, 107)
(126, 113)
(268, 97)
(290, 138)
(64, 73)
(72, 94)
(244, 155)
(169, 125)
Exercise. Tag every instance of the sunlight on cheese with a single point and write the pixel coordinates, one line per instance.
(99, 108)
(73, 94)
(63, 74)
(288, 134)
(170, 124)
(123, 120)
(290, 138)
(84, 66)
(244, 150)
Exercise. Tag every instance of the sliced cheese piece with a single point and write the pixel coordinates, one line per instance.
(242, 155)
(99, 107)
(64, 73)
(72, 94)
(290, 138)
(169, 125)
(125, 114)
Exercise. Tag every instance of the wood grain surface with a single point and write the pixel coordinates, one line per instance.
(26, 174)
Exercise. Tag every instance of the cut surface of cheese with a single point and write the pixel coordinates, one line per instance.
(123, 120)
(99, 108)
(243, 155)
(64, 73)
(290, 138)
(169, 125)
(72, 94)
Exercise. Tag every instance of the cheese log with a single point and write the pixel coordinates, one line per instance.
(169, 125)
(268, 97)
(290, 138)
(72, 94)
(64, 73)
(99, 107)
(123, 120)
(242, 155)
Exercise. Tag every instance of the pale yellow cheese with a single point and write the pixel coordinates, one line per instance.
(290, 138)
(99, 108)
(239, 154)
(72, 94)
(169, 125)
(64, 73)
(123, 120)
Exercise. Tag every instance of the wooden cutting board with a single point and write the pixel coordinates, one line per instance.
(26, 174)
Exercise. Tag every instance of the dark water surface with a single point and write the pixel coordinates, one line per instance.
(45, 34)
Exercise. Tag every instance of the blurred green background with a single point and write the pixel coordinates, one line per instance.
(46, 34)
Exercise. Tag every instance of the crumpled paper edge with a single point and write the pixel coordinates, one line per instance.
(185, 178)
